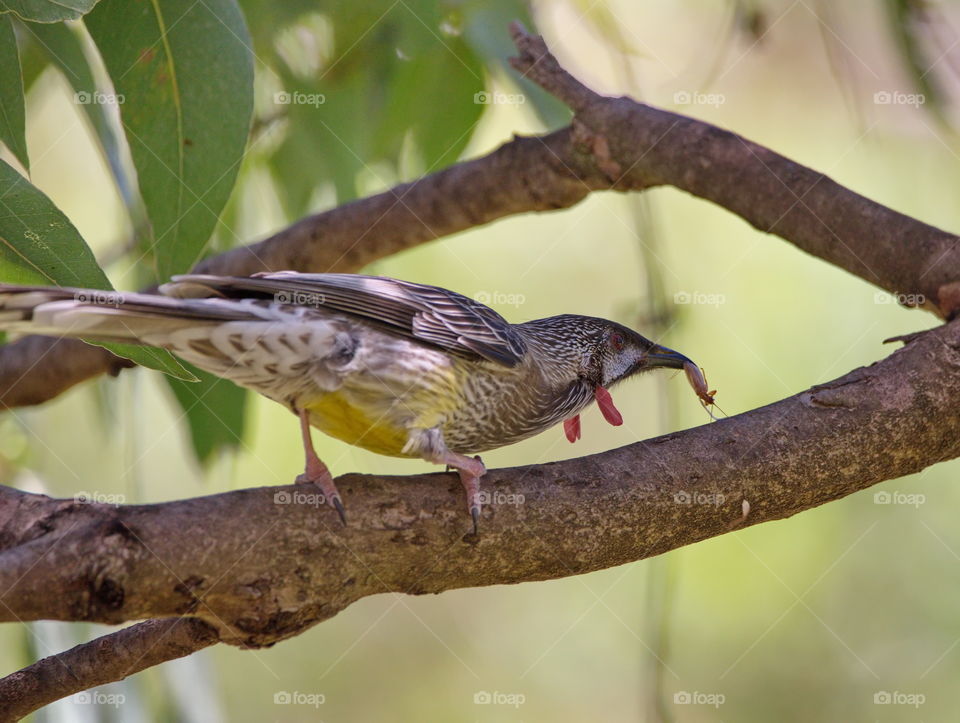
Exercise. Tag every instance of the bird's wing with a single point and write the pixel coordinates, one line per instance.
(428, 314)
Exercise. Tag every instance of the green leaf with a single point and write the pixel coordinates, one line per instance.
(183, 73)
(39, 245)
(12, 128)
(33, 60)
(47, 11)
(215, 411)
(62, 45)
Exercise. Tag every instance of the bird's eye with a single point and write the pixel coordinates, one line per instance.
(616, 341)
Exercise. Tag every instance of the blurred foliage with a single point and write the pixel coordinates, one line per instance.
(359, 84)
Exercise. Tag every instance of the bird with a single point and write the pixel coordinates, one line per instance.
(398, 368)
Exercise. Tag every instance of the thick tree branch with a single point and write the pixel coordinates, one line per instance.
(104, 660)
(613, 143)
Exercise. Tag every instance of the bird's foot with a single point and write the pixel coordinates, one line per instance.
(470, 469)
(320, 476)
(317, 473)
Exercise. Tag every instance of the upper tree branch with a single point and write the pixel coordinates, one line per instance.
(613, 143)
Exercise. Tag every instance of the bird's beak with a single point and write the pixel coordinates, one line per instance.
(661, 356)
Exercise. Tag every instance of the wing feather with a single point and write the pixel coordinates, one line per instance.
(428, 314)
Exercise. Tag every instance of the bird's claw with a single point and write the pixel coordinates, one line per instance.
(338, 506)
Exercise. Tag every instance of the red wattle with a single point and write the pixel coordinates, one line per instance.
(607, 408)
(571, 428)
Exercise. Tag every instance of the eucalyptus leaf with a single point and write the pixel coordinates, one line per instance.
(183, 75)
(215, 411)
(12, 115)
(47, 11)
(39, 245)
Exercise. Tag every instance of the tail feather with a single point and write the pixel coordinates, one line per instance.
(100, 315)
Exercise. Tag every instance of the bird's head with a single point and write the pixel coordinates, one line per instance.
(619, 352)
(601, 351)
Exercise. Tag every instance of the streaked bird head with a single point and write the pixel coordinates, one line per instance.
(622, 352)
(602, 351)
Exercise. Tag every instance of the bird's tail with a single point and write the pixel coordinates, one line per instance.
(100, 315)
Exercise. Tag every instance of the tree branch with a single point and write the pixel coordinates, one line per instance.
(104, 660)
(613, 143)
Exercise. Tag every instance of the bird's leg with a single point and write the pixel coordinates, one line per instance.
(316, 471)
(470, 469)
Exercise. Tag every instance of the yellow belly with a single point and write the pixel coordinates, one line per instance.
(334, 414)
